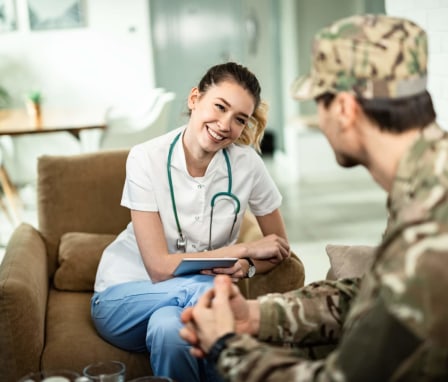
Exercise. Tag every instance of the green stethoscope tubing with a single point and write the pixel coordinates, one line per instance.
(181, 242)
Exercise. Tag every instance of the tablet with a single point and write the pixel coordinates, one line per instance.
(195, 264)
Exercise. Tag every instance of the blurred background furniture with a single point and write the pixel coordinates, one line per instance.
(47, 274)
(8, 191)
(126, 128)
(17, 121)
(24, 138)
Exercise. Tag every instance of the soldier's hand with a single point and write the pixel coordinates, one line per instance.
(211, 318)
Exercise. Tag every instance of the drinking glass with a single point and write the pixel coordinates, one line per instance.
(106, 371)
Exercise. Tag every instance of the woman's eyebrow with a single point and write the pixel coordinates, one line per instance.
(229, 105)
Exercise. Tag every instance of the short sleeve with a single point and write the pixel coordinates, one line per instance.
(138, 192)
(265, 196)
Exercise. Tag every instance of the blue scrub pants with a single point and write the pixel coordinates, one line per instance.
(138, 316)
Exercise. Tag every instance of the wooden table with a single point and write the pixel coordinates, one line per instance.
(18, 121)
(73, 121)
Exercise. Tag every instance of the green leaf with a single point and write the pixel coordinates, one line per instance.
(35, 96)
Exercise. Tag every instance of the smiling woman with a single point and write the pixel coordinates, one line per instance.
(209, 173)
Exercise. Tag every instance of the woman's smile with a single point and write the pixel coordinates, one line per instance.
(214, 134)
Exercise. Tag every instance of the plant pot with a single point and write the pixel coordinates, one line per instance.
(33, 109)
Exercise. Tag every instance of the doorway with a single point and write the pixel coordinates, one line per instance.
(191, 36)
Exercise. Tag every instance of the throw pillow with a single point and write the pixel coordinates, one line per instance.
(349, 260)
(79, 256)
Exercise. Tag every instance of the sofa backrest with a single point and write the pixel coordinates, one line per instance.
(80, 193)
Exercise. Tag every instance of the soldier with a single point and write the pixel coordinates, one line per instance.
(368, 79)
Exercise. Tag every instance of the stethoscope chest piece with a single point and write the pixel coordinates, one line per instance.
(181, 243)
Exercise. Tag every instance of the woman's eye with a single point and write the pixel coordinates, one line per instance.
(241, 121)
(220, 107)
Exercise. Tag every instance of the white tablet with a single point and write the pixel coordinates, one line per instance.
(195, 265)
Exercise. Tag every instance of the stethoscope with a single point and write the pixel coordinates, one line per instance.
(181, 242)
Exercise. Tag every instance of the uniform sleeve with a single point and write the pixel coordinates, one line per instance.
(283, 320)
(138, 192)
(357, 358)
(307, 316)
(265, 196)
(377, 337)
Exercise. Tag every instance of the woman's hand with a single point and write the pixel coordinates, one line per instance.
(236, 272)
(272, 247)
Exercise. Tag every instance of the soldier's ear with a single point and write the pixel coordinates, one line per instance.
(347, 109)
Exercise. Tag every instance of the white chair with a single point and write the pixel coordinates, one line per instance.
(137, 107)
(124, 131)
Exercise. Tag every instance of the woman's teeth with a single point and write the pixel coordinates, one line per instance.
(214, 135)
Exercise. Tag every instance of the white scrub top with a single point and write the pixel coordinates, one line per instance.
(146, 188)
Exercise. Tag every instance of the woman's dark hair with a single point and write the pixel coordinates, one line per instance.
(394, 115)
(231, 71)
(234, 72)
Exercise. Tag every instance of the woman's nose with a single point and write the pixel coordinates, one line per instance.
(225, 123)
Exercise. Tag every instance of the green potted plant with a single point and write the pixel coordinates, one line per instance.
(33, 103)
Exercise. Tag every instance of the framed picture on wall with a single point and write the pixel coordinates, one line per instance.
(61, 14)
(8, 21)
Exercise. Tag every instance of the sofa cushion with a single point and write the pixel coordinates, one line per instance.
(80, 193)
(72, 341)
(349, 260)
(79, 256)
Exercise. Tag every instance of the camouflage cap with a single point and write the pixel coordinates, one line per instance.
(372, 56)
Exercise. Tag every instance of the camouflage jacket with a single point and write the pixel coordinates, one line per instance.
(390, 326)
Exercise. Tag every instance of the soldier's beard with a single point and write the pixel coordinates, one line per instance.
(346, 161)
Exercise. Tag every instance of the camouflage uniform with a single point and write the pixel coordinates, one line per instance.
(392, 324)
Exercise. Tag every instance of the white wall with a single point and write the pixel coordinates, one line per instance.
(106, 62)
(431, 15)
(307, 153)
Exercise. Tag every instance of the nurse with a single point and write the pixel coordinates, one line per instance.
(187, 192)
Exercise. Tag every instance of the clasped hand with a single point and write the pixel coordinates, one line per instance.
(219, 311)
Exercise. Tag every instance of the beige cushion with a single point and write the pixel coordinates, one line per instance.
(80, 193)
(349, 260)
(79, 256)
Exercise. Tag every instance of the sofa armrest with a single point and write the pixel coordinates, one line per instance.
(286, 276)
(23, 299)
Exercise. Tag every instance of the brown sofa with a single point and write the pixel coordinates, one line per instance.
(47, 275)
